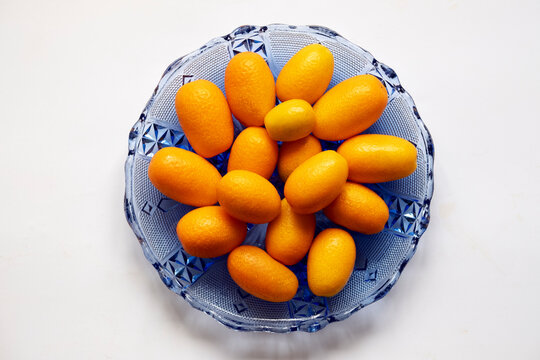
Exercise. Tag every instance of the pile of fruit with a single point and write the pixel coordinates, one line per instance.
(286, 136)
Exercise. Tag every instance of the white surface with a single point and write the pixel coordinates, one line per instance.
(74, 283)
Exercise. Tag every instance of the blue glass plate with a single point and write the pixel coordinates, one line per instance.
(205, 283)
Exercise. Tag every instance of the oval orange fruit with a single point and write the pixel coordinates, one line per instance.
(293, 153)
(306, 75)
(184, 176)
(374, 158)
(250, 88)
(205, 117)
(291, 120)
(258, 274)
(316, 182)
(255, 151)
(210, 232)
(289, 236)
(358, 209)
(330, 262)
(349, 108)
(248, 197)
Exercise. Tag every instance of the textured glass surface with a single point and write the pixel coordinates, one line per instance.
(206, 283)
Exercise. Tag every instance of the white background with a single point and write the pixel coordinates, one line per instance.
(74, 284)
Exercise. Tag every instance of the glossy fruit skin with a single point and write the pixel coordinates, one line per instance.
(248, 197)
(293, 153)
(210, 231)
(291, 120)
(358, 209)
(184, 176)
(250, 88)
(316, 182)
(289, 236)
(349, 108)
(203, 113)
(255, 151)
(259, 274)
(330, 262)
(374, 158)
(306, 75)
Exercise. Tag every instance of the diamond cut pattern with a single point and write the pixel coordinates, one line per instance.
(156, 137)
(406, 216)
(185, 268)
(371, 275)
(187, 79)
(305, 304)
(167, 204)
(240, 306)
(148, 208)
(248, 42)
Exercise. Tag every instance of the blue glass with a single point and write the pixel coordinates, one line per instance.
(205, 283)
